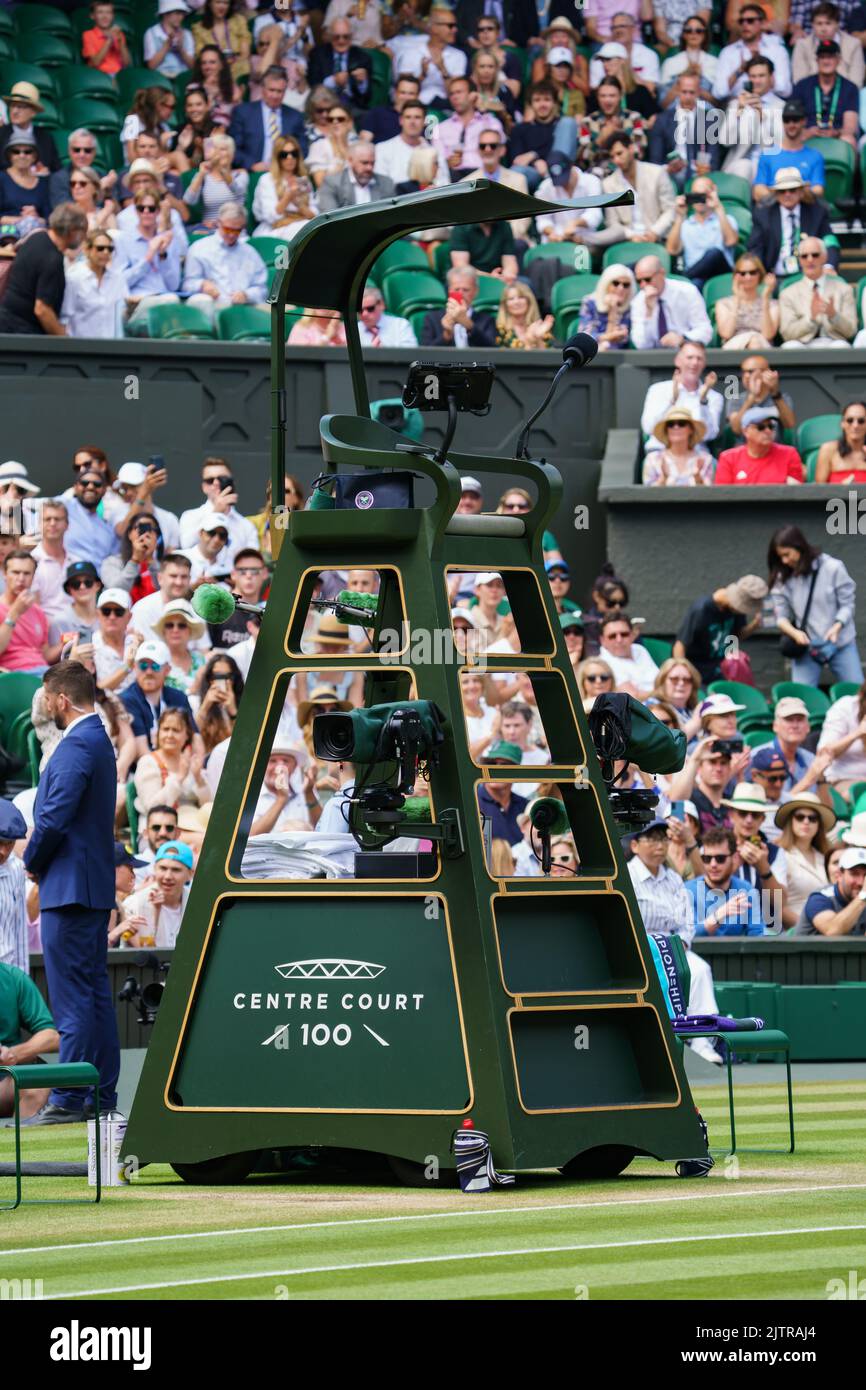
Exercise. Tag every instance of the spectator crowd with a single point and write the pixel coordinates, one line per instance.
(192, 141)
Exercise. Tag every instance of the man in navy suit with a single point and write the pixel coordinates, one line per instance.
(682, 130)
(255, 125)
(71, 854)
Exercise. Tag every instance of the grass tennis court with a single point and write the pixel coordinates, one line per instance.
(766, 1227)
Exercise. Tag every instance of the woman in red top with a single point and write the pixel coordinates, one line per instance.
(843, 460)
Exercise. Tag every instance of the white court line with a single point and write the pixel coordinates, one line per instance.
(447, 1259)
(430, 1216)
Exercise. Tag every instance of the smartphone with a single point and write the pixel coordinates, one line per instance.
(694, 199)
(156, 461)
(228, 485)
(678, 810)
(748, 85)
(457, 296)
(84, 635)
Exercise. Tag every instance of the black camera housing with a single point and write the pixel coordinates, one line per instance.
(436, 385)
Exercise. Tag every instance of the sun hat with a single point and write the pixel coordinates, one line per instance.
(748, 796)
(747, 594)
(180, 607)
(322, 695)
(679, 413)
(26, 92)
(808, 801)
(14, 472)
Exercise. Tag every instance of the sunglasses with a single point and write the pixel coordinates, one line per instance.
(75, 183)
(338, 120)
(562, 859)
(106, 250)
(82, 149)
(747, 272)
(223, 478)
(620, 284)
(288, 154)
(80, 467)
(488, 148)
(522, 507)
(163, 825)
(714, 858)
(369, 308)
(626, 632)
(82, 584)
(92, 482)
(765, 425)
(597, 676)
(148, 666)
(112, 612)
(678, 425)
(178, 626)
(143, 531)
(646, 279)
(147, 207)
(809, 255)
(807, 817)
(773, 776)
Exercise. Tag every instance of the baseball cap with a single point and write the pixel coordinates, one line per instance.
(118, 596)
(153, 651)
(123, 856)
(556, 565)
(567, 620)
(488, 577)
(500, 751)
(827, 48)
(213, 521)
(756, 413)
(852, 858)
(768, 760)
(790, 705)
(793, 110)
(718, 704)
(175, 849)
(12, 824)
(468, 615)
(130, 475)
(560, 54)
(81, 569)
(612, 50)
(646, 830)
(470, 485)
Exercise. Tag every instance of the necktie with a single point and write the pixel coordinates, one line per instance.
(663, 320)
(273, 126)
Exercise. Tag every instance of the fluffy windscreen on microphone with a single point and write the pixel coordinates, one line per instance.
(548, 813)
(213, 603)
(356, 608)
(416, 808)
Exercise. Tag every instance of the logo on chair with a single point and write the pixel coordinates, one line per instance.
(364, 500)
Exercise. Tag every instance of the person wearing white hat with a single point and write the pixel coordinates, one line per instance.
(148, 695)
(22, 104)
(624, 39)
(114, 643)
(489, 591)
(718, 715)
(762, 864)
(135, 485)
(790, 730)
(804, 823)
(210, 558)
(287, 801)
(168, 48)
(840, 908)
(471, 497)
(16, 490)
(178, 626)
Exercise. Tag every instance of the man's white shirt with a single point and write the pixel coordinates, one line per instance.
(659, 399)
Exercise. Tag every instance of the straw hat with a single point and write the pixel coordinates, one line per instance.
(322, 695)
(25, 91)
(748, 796)
(181, 607)
(282, 748)
(856, 832)
(332, 630)
(679, 412)
(808, 801)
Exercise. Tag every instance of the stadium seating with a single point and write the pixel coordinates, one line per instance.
(489, 296)
(628, 252)
(15, 71)
(17, 689)
(576, 256)
(842, 688)
(132, 80)
(839, 161)
(7, 28)
(658, 648)
(399, 256)
(756, 706)
(566, 299)
(243, 323)
(97, 116)
(813, 698)
(48, 50)
(169, 321)
(811, 434)
(41, 19)
(408, 290)
(79, 81)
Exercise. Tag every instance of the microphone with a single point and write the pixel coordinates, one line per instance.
(548, 817)
(579, 350)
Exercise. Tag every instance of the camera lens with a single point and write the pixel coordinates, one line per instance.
(333, 737)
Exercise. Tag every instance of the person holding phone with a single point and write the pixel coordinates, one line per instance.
(457, 325)
(221, 496)
(703, 232)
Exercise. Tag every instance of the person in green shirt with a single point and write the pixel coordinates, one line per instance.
(488, 247)
(23, 1008)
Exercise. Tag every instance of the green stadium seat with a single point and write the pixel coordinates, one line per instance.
(97, 116)
(34, 756)
(856, 791)
(658, 648)
(442, 259)
(810, 464)
(733, 189)
(628, 252)
(400, 255)
(754, 738)
(843, 688)
(742, 695)
(168, 321)
(7, 49)
(244, 323)
(811, 434)
(16, 696)
(49, 116)
(416, 317)
(814, 699)
(41, 78)
(48, 50)
(840, 805)
(489, 296)
(7, 28)
(575, 256)
(743, 218)
(255, 175)
(566, 299)
(839, 161)
(716, 288)
(78, 81)
(42, 19)
(381, 75)
(408, 290)
(269, 248)
(133, 80)
(756, 1045)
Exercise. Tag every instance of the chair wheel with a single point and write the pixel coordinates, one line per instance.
(217, 1172)
(606, 1161)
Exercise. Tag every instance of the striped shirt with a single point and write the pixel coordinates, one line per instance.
(664, 904)
(13, 915)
